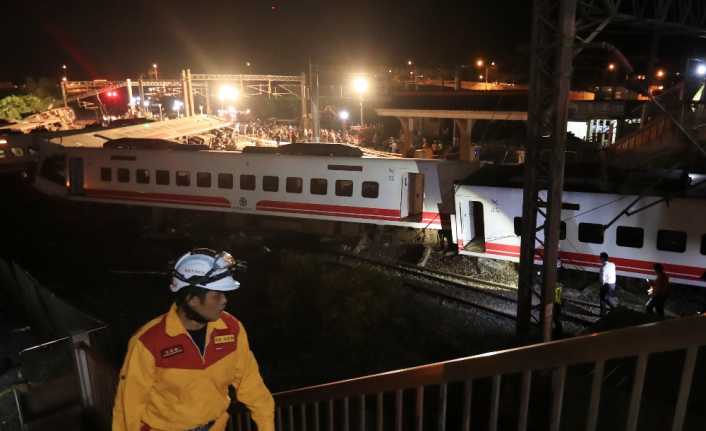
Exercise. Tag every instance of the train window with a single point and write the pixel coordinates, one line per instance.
(703, 244)
(671, 240)
(203, 179)
(124, 175)
(344, 188)
(318, 186)
(162, 177)
(225, 181)
(247, 182)
(183, 178)
(106, 174)
(294, 185)
(270, 183)
(517, 225)
(591, 232)
(370, 189)
(142, 176)
(628, 236)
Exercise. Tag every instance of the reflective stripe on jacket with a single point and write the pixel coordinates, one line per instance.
(166, 384)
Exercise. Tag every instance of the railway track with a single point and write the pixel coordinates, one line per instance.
(471, 292)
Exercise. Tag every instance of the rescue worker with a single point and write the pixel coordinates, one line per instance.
(659, 291)
(556, 313)
(179, 366)
(607, 280)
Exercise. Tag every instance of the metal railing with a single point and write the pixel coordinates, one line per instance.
(474, 390)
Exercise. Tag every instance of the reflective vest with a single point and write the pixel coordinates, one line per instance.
(167, 384)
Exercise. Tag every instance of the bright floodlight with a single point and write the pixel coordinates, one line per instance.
(228, 93)
(360, 85)
(177, 105)
(480, 63)
(343, 115)
(701, 70)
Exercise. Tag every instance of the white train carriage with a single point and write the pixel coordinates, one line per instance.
(487, 223)
(401, 192)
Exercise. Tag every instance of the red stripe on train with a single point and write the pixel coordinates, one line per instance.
(622, 264)
(341, 211)
(210, 201)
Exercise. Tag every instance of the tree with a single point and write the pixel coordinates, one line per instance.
(13, 108)
(40, 95)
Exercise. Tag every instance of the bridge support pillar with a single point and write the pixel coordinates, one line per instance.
(190, 92)
(184, 92)
(207, 95)
(407, 135)
(466, 147)
(142, 96)
(131, 101)
(302, 91)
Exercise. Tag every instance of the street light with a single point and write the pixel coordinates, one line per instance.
(178, 104)
(611, 67)
(701, 70)
(409, 62)
(480, 63)
(156, 70)
(661, 73)
(343, 115)
(228, 93)
(360, 86)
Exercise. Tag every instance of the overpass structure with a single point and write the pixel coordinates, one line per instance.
(463, 120)
(189, 85)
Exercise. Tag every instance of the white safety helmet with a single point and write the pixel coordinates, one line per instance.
(205, 268)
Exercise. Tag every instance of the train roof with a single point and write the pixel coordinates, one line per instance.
(593, 178)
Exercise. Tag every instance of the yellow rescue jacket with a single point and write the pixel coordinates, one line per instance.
(166, 384)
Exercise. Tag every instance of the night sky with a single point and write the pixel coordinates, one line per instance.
(118, 39)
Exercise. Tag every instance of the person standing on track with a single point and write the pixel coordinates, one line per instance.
(607, 279)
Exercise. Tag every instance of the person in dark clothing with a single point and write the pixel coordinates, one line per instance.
(659, 291)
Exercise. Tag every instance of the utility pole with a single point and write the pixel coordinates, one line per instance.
(314, 89)
(553, 32)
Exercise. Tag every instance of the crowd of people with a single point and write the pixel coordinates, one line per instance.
(286, 133)
(369, 136)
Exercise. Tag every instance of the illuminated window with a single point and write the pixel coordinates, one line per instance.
(344, 188)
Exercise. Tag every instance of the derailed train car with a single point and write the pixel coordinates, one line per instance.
(488, 223)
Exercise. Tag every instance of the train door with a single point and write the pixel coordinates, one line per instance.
(412, 199)
(76, 176)
(471, 226)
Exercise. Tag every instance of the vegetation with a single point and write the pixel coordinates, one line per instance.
(39, 95)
